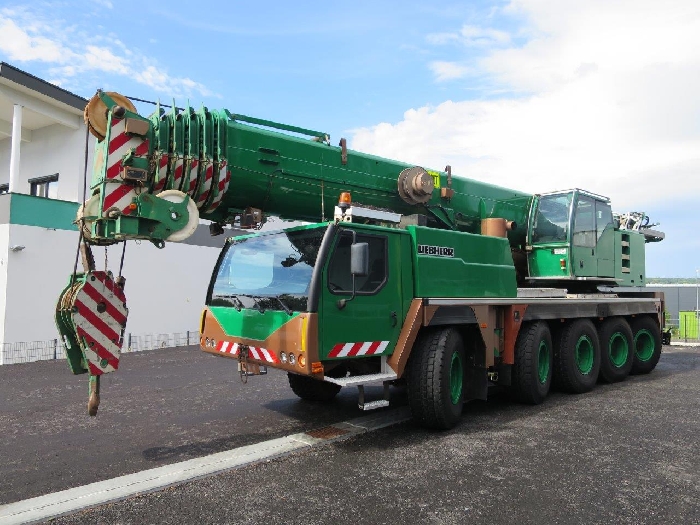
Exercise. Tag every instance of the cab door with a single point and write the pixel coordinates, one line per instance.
(605, 247)
(368, 323)
(584, 238)
(593, 239)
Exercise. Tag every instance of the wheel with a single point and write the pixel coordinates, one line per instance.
(532, 371)
(577, 357)
(435, 378)
(616, 353)
(647, 344)
(312, 389)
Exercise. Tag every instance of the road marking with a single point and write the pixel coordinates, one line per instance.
(78, 498)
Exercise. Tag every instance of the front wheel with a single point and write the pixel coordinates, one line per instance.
(312, 389)
(435, 378)
(647, 344)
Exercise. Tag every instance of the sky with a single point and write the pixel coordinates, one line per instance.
(535, 95)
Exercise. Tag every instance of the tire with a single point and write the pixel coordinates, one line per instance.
(312, 389)
(616, 349)
(532, 370)
(577, 357)
(435, 378)
(647, 344)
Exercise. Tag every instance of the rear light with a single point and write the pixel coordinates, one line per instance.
(283, 357)
(316, 367)
(292, 359)
(302, 361)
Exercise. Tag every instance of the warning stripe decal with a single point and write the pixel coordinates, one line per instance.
(361, 348)
(162, 173)
(99, 315)
(177, 173)
(194, 174)
(257, 353)
(206, 185)
(112, 309)
(222, 185)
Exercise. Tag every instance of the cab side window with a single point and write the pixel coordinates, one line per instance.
(339, 276)
(584, 224)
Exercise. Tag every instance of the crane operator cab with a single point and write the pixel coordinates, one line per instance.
(573, 237)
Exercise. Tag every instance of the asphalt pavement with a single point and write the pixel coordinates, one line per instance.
(624, 453)
(160, 407)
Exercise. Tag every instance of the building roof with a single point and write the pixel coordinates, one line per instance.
(39, 85)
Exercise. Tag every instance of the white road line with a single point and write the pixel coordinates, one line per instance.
(71, 500)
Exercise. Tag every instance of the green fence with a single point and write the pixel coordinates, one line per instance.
(688, 325)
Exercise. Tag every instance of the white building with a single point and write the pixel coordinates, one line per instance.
(42, 157)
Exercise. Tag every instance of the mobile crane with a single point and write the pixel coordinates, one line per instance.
(401, 274)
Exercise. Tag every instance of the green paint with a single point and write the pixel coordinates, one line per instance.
(376, 316)
(545, 260)
(250, 323)
(584, 354)
(29, 210)
(543, 362)
(456, 378)
(688, 327)
(618, 349)
(481, 266)
(644, 344)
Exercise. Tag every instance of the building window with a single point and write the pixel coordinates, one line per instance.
(4, 188)
(44, 186)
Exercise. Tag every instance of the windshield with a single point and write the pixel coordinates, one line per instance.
(552, 220)
(268, 272)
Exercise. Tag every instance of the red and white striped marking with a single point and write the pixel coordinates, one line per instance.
(162, 173)
(363, 348)
(178, 168)
(191, 185)
(100, 317)
(116, 194)
(260, 354)
(222, 187)
(205, 188)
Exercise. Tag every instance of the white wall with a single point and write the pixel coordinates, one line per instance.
(4, 258)
(165, 289)
(53, 149)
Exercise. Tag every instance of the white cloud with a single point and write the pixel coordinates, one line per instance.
(28, 36)
(471, 36)
(444, 71)
(602, 96)
(478, 36)
(19, 45)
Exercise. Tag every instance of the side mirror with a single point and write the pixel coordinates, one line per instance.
(359, 259)
(359, 267)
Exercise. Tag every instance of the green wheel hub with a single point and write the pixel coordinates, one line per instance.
(456, 378)
(584, 354)
(543, 362)
(618, 349)
(644, 344)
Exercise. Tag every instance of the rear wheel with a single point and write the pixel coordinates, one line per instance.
(532, 370)
(312, 389)
(647, 344)
(435, 378)
(616, 349)
(577, 357)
